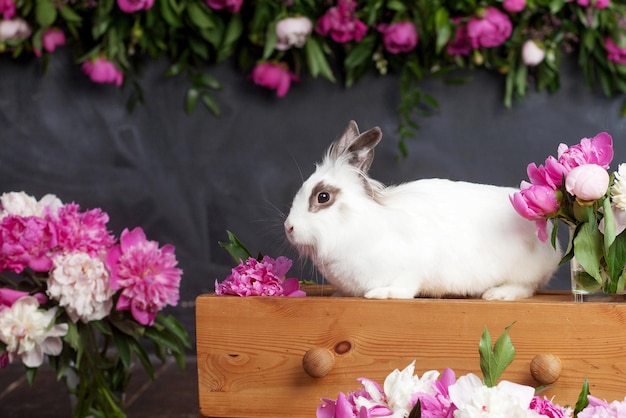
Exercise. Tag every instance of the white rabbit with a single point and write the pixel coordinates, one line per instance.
(429, 238)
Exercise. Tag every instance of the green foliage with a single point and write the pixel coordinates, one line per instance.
(194, 37)
(494, 360)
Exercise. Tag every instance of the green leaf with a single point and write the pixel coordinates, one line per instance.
(169, 13)
(609, 224)
(494, 361)
(172, 325)
(31, 372)
(588, 247)
(235, 248)
(45, 13)
(616, 258)
(199, 16)
(193, 94)
(583, 401)
(209, 101)
(316, 60)
(205, 80)
(162, 339)
(70, 15)
(362, 52)
(123, 348)
(143, 357)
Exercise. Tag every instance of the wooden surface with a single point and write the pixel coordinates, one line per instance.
(250, 350)
(174, 394)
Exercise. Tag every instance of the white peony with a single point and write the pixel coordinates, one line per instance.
(22, 204)
(29, 332)
(15, 28)
(292, 31)
(618, 190)
(506, 400)
(80, 284)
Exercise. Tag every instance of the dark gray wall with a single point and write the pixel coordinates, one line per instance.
(186, 179)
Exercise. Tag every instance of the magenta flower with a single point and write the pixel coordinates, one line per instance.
(26, 242)
(132, 6)
(597, 150)
(146, 274)
(439, 405)
(273, 76)
(614, 52)
(341, 23)
(9, 296)
(399, 37)
(82, 232)
(7, 9)
(461, 44)
(490, 28)
(260, 278)
(231, 6)
(551, 174)
(514, 6)
(535, 202)
(101, 70)
(546, 408)
(50, 39)
(598, 4)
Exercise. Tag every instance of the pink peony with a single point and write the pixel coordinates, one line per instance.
(534, 202)
(461, 44)
(82, 232)
(489, 29)
(50, 39)
(273, 76)
(7, 8)
(399, 37)
(514, 6)
(146, 274)
(587, 182)
(599, 408)
(341, 23)
(438, 405)
(9, 296)
(132, 6)
(547, 409)
(551, 174)
(231, 6)
(615, 53)
(101, 70)
(598, 4)
(26, 242)
(260, 278)
(597, 150)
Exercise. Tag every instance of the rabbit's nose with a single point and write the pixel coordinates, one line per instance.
(288, 227)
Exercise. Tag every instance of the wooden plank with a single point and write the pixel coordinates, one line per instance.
(250, 349)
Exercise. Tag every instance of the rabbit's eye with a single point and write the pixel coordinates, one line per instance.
(323, 197)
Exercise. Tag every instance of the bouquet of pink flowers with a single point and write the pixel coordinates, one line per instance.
(576, 188)
(71, 292)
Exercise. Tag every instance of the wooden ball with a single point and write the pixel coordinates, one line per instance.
(546, 368)
(317, 362)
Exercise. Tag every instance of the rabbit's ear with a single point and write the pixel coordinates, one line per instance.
(359, 147)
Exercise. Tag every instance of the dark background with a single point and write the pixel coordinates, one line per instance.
(186, 179)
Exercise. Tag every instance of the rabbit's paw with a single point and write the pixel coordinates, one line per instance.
(389, 293)
(508, 292)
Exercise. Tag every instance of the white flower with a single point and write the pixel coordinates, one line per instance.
(22, 204)
(292, 31)
(532, 54)
(15, 28)
(30, 332)
(398, 390)
(80, 284)
(618, 190)
(506, 400)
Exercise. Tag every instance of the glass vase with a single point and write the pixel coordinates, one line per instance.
(586, 289)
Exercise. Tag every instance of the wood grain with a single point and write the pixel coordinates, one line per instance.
(250, 350)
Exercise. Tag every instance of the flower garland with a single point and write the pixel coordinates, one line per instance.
(71, 292)
(443, 395)
(280, 42)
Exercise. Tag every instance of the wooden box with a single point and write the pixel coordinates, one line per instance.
(250, 350)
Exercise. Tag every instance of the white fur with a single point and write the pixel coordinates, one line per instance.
(429, 237)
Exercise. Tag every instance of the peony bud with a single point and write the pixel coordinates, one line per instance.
(532, 54)
(587, 182)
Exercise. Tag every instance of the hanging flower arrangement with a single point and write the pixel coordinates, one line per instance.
(279, 43)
